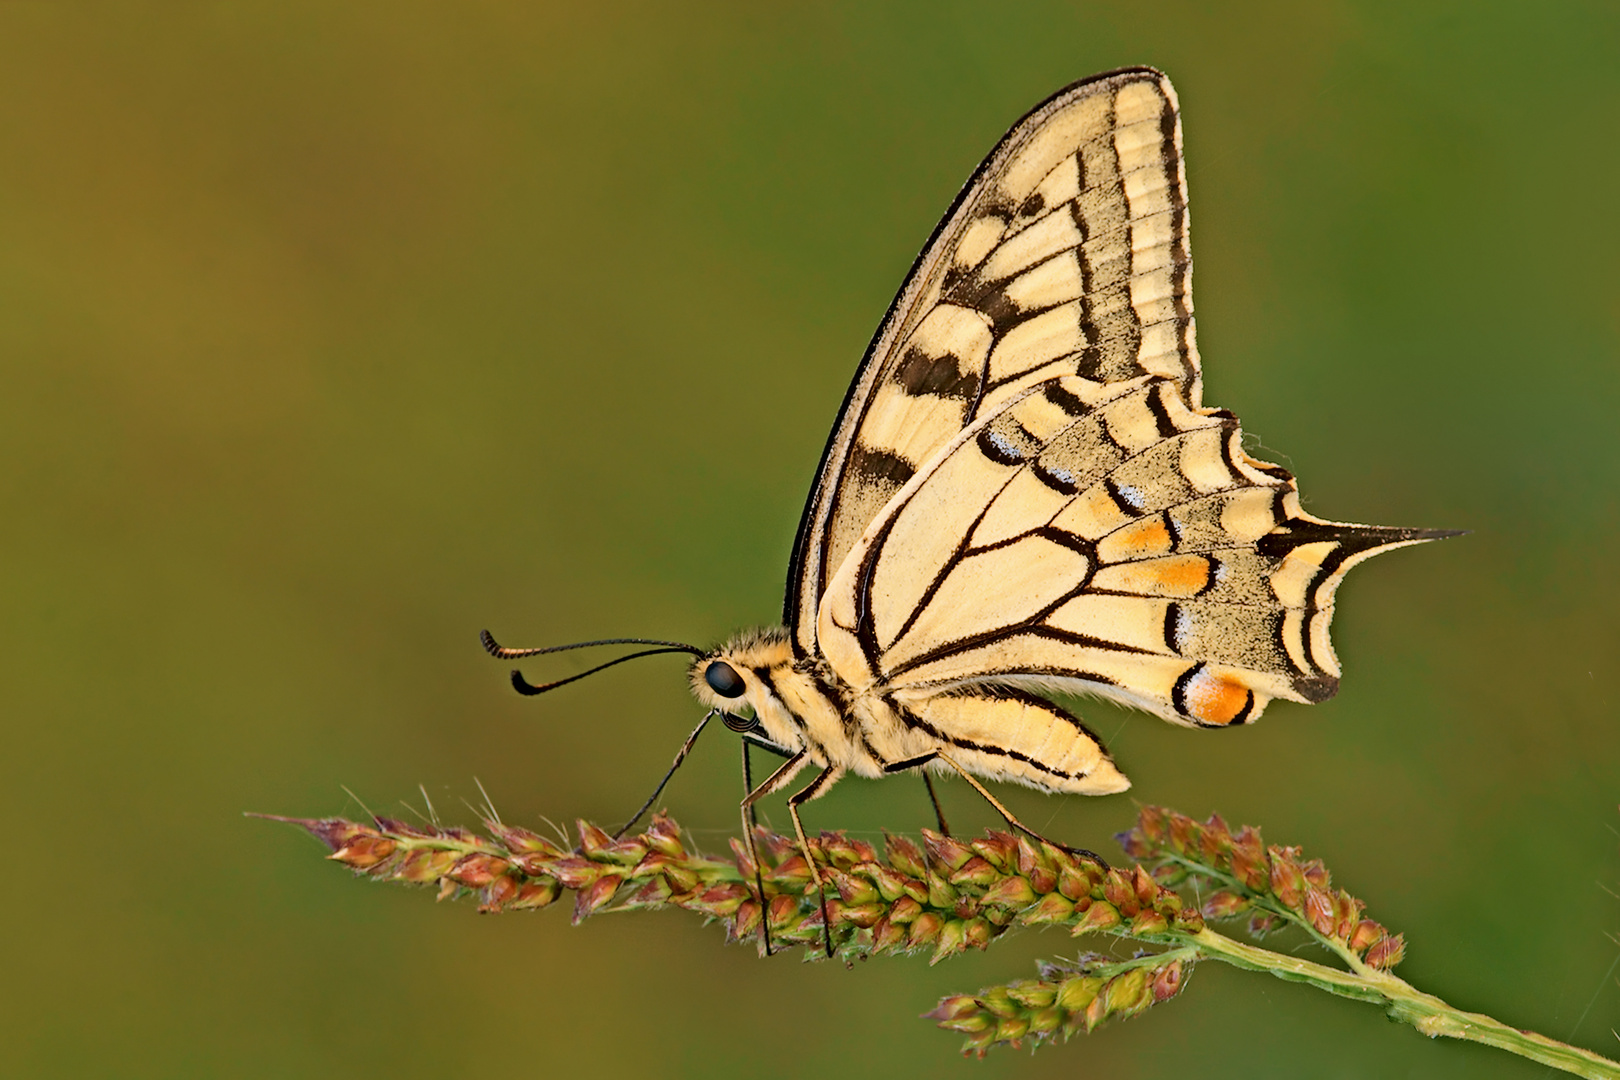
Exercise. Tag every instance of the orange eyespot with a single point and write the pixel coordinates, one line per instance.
(1218, 701)
(1211, 700)
(723, 679)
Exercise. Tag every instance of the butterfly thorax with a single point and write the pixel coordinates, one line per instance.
(802, 704)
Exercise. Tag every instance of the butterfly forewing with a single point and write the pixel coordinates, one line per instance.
(1065, 255)
(1108, 539)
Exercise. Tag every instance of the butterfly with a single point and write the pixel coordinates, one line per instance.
(1024, 494)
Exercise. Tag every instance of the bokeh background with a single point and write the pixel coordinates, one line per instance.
(332, 333)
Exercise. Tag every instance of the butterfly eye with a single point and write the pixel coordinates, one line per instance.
(723, 679)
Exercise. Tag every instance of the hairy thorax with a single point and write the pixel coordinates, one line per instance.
(801, 704)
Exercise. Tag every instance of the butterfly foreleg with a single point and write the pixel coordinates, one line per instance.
(779, 779)
(686, 748)
(1007, 815)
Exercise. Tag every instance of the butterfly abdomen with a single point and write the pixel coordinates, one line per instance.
(1001, 733)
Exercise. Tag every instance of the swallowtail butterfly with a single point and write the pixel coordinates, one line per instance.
(1024, 493)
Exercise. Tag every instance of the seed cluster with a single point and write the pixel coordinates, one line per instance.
(1272, 885)
(1066, 999)
(940, 896)
(946, 895)
(943, 895)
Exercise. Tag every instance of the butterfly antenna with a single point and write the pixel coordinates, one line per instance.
(528, 689)
(525, 687)
(500, 652)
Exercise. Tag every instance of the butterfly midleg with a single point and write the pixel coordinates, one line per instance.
(814, 790)
(912, 763)
(778, 780)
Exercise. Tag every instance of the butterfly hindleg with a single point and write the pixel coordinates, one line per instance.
(1007, 815)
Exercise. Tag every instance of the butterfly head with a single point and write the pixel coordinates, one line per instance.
(738, 681)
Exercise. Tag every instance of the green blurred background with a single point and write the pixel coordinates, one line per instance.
(332, 333)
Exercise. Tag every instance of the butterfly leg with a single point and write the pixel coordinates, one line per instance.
(814, 790)
(939, 813)
(750, 823)
(1007, 815)
(778, 780)
(686, 748)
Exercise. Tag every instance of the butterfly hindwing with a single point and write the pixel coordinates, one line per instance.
(1066, 254)
(1107, 539)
